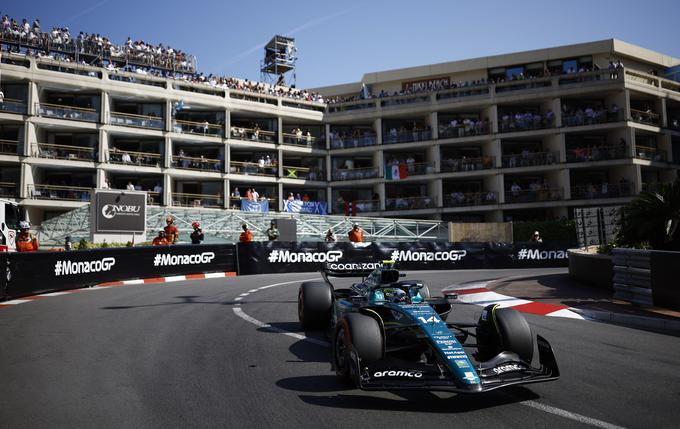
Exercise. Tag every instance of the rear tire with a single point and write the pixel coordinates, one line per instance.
(315, 305)
(504, 329)
(360, 333)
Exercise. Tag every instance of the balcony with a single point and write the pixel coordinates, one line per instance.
(196, 200)
(253, 168)
(70, 113)
(196, 163)
(478, 128)
(9, 105)
(464, 92)
(523, 84)
(351, 106)
(533, 196)
(409, 203)
(303, 140)
(63, 193)
(597, 153)
(128, 157)
(405, 100)
(253, 134)
(413, 169)
(452, 165)
(338, 142)
(198, 128)
(66, 152)
(9, 147)
(530, 159)
(137, 121)
(341, 174)
(651, 153)
(586, 77)
(356, 206)
(153, 198)
(303, 173)
(407, 136)
(462, 199)
(525, 122)
(9, 190)
(592, 117)
(601, 190)
(645, 117)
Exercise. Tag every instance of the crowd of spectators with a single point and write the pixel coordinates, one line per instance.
(466, 127)
(527, 158)
(255, 133)
(352, 138)
(590, 114)
(537, 190)
(469, 198)
(409, 203)
(196, 161)
(263, 164)
(525, 120)
(137, 56)
(597, 152)
(465, 163)
(122, 156)
(408, 133)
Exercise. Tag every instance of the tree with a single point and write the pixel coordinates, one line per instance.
(653, 217)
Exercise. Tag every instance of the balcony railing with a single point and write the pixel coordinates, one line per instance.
(461, 199)
(356, 206)
(71, 153)
(201, 128)
(530, 159)
(511, 124)
(9, 190)
(253, 168)
(597, 153)
(407, 136)
(71, 113)
(154, 198)
(409, 203)
(196, 163)
(601, 190)
(253, 134)
(523, 84)
(128, 157)
(137, 121)
(352, 105)
(353, 141)
(593, 117)
(196, 200)
(464, 92)
(452, 165)
(355, 173)
(643, 117)
(415, 169)
(530, 196)
(9, 147)
(303, 140)
(9, 105)
(65, 193)
(585, 77)
(303, 173)
(448, 131)
(651, 153)
(405, 99)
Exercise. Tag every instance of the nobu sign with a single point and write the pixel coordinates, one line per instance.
(120, 211)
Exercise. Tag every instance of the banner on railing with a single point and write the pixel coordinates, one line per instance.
(307, 207)
(254, 206)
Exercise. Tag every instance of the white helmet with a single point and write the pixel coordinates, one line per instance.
(24, 225)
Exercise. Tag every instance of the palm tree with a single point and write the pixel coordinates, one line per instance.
(653, 217)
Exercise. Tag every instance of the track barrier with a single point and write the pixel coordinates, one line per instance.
(40, 272)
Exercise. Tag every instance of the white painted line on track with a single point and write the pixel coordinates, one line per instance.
(238, 311)
(569, 415)
(55, 293)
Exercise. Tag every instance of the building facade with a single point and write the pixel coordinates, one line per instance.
(520, 136)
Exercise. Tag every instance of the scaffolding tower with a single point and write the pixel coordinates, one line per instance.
(279, 60)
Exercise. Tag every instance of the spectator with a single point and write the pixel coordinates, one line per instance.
(126, 158)
(356, 235)
(161, 240)
(158, 189)
(130, 186)
(330, 237)
(26, 242)
(273, 231)
(536, 238)
(197, 234)
(246, 236)
(171, 231)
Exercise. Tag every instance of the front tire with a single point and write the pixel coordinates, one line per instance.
(315, 305)
(504, 329)
(361, 334)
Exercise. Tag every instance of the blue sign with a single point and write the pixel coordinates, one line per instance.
(307, 207)
(255, 206)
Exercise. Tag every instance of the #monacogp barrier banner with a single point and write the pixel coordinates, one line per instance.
(38, 272)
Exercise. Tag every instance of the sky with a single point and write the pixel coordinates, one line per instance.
(339, 41)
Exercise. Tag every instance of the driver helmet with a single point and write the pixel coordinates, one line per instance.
(396, 296)
(24, 225)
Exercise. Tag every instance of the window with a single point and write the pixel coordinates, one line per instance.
(514, 72)
(569, 66)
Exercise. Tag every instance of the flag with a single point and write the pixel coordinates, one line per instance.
(403, 170)
(395, 172)
(388, 171)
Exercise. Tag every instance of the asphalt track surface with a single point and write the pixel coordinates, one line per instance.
(189, 354)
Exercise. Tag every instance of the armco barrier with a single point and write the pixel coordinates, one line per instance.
(31, 273)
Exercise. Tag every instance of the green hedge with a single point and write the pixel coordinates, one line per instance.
(552, 230)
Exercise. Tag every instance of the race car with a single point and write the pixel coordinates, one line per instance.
(389, 334)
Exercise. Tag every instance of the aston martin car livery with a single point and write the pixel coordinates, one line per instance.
(388, 333)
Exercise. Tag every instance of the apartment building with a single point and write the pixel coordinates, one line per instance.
(520, 136)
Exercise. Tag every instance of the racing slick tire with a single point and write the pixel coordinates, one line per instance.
(315, 304)
(504, 329)
(361, 334)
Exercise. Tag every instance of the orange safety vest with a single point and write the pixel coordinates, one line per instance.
(159, 241)
(356, 235)
(246, 237)
(171, 234)
(26, 243)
